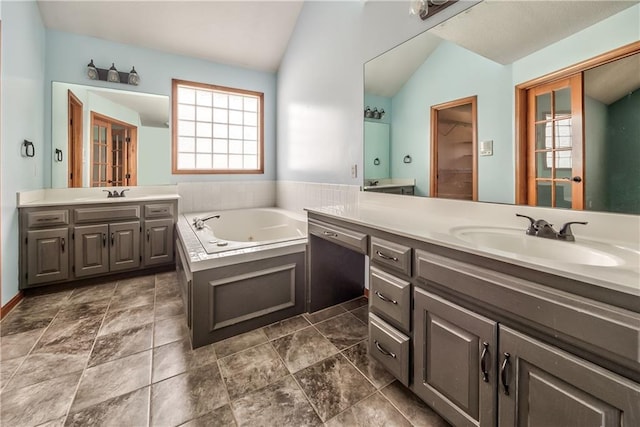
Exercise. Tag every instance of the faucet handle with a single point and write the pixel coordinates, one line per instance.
(122, 192)
(565, 232)
(533, 221)
(533, 227)
(109, 193)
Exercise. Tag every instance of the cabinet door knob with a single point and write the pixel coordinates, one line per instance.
(62, 244)
(148, 234)
(483, 362)
(104, 240)
(113, 239)
(504, 374)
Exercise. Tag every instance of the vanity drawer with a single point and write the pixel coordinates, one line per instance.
(392, 255)
(115, 213)
(47, 218)
(343, 237)
(158, 210)
(390, 297)
(390, 347)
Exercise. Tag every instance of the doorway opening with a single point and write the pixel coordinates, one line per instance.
(75, 140)
(114, 148)
(453, 150)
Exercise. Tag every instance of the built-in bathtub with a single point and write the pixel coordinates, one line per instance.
(240, 270)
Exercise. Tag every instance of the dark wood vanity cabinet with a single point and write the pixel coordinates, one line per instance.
(81, 241)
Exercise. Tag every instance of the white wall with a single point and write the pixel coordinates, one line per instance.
(595, 138)
(154, 156)
(23, 68)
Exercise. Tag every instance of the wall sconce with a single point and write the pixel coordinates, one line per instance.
(373, 114)
(112, 74)
(426, 8)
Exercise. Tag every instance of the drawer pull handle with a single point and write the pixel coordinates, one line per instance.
(383, 351)
(330, 234)
(62, 243)
(503, 373)
(383, 298)
(387, 257)
(483, 362)
(158, 210)
(49, 218)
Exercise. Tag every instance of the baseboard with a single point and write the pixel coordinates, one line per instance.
(366, 293)
(12, 303)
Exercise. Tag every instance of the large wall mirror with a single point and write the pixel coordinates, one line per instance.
(105, 137)
(584, 134)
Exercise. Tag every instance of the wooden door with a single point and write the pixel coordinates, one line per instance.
(100, 146)
(124, 252)
(75, 140)
(91, 251)
(158, 246)
(454, 173)
(455, 360)
(555, 144)
(544, 386)
(113, 152)
(47, 255)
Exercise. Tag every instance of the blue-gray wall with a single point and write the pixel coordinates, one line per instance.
(23, 69)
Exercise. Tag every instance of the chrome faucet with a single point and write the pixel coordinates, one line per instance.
(114, 193)
(542, 228)
(199, 222)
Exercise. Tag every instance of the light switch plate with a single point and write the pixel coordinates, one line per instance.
(486, 148)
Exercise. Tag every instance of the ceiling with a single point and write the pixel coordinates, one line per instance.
(251, 34)
(610, 82)
(524, 27)
(153, 109)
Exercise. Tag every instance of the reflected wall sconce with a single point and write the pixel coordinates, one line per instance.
(376, 161)
(407, 159)
(58, 155)
(373, 114)
(426, 8)
(29, 149)
(112, 74)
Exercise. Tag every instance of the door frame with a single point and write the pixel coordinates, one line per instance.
(132, 146)
(74, 135)
(435, 109)
(523, 159)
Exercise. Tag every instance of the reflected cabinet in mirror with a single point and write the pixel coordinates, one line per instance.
(556, 115)
(104, 137)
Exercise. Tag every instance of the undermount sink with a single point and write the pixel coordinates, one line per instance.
(515, 242)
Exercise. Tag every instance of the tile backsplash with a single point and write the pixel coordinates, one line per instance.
(296, 195)
(210, 196)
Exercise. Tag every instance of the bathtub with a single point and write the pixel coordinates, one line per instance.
(241, 270)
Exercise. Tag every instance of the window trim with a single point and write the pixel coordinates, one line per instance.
(174, 130)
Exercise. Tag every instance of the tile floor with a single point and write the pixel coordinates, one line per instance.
(119, 354)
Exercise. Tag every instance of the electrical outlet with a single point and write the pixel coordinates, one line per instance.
(354, 171)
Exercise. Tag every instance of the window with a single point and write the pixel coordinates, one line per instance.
(216, 129)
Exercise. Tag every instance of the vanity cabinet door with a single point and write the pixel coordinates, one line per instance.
(541, 385)
(158, 241)
(124, 250)
(47, 255)
(454, 360)
(91, 251)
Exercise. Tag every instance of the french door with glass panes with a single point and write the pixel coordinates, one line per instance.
(113, 153)
(555, 144)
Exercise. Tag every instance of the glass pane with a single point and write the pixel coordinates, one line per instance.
(250, 132)
(250, 104)
(251, 119)
(543, 136)
(543, 164)
(219, 161)
(563, 195)
(203, 114)
(203, 161)
(235, 102)
(543, 107)
(235, 146)
(235, 132)
(235, 161)
(220, 146)
(203, 97)
(103, 153)
(186, 112)
(186, 161)
(103, 134)
(562, 102)
(95, 133)
(563, 133)
(186, 128)
(220, 100)
(220, 115)
(203, 145)
(219, 131)
(251, 162)
(251, 147)
(96, 154)
(186, 96)
(235, 117)
(96, 175)
(563, 164)
(203, 129)
(544, 193)
(186, 144)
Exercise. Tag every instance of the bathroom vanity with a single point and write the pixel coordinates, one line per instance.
(83, 234)
(490, 338)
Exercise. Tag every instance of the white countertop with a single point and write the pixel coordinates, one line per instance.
(389, 183)
(431, 220)
(84, 196)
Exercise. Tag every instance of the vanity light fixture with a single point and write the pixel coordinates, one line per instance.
(373, 114)
(112, 74)
(426, 8)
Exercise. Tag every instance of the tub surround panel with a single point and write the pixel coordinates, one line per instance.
(297, 195)
(210, 196)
